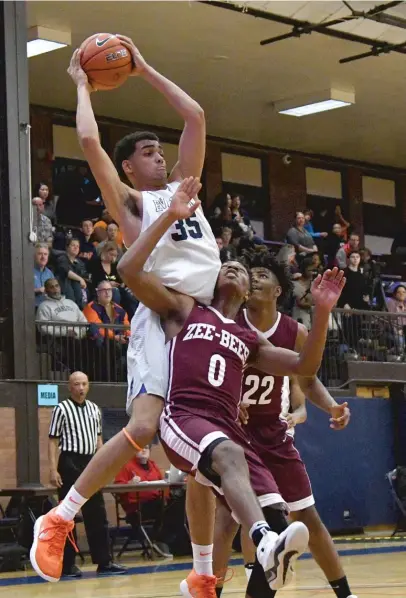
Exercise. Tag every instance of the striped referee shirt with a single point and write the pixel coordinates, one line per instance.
(77, 426)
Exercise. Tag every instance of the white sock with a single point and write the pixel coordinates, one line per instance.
(203, 559)
(248, 570)
(71, 505)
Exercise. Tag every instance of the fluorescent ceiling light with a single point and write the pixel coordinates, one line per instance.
(329, 99)
(41, 40)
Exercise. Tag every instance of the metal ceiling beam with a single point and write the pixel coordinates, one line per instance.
(262, 14)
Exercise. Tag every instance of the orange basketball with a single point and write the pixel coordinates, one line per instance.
(106, 62)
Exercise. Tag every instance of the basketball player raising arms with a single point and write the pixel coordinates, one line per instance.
(269, 427)
(186, 259)
(208, 351)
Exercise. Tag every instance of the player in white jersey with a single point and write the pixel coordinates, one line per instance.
(186, 260)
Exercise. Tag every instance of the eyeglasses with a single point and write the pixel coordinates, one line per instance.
(104, 290)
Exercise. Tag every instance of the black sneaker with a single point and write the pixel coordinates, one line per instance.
(74, 572)
(111, 569)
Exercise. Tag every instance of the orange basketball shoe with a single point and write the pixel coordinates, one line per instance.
(50, 534)
(199, 586)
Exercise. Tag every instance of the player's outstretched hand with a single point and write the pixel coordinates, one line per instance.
(326, 289)
(340, 417)
(139, 62)
(184, 201)
(77, 73)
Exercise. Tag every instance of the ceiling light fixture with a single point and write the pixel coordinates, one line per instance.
(329, 99)
(41, 40)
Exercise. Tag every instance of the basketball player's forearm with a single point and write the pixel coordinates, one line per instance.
(186, 106)
(86, 124)
(300, 414)
(311, 354)
(135, 257)
(317, 393)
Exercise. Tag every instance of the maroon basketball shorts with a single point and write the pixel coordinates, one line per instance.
(185, 436)
(278, 453)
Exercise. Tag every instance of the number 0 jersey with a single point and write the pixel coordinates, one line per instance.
(268, 396)
(186, 258)
(206, 362)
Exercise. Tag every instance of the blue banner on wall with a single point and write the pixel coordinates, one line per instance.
(47, 395)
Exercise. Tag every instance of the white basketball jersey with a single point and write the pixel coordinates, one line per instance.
(186, 258)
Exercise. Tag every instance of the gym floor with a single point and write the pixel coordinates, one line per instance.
(376, 569)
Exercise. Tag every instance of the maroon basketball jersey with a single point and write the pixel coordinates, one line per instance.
(206, 362)
(266, 394)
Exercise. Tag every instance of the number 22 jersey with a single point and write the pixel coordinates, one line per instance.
(268, 397)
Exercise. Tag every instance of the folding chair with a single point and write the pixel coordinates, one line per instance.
(392, 477)
(135, 533)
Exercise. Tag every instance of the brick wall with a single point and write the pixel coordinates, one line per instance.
(7, 448)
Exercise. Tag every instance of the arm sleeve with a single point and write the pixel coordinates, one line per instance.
(292, 237)
(55, 428)
(63, 265)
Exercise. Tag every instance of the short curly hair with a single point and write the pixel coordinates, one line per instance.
(259, 257)
(126, 147)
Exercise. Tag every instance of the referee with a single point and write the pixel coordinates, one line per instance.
(75, 430)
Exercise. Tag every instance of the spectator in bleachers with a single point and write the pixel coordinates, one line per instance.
(287, 255)
(87, 249)
(104, 267)
(355, 293)
(228, 252)
(112, 236)
(339, 219)
(332, 244)
(57, 308)
(370, 271)
(298, 236)
(302, 297)
(41, 224)
(104, 311)
(142, 469)
(53, 253)
(71, 272)
(397, 305)
(100, 227)
(41, 272)
(344, 252)
(317, 263)
(219, 242)
(41, 190)
(308, 225)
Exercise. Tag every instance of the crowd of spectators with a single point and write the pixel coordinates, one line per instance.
(76, 278)
(76, 282)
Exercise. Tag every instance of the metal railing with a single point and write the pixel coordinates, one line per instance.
(353, 335)
(356, 335)
(99, 350)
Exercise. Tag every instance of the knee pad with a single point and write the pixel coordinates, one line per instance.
(205, 463)
(275, 518)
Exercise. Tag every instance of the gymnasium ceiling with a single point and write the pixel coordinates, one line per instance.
(215, 54)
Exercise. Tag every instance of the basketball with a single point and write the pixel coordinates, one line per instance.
(106, 62)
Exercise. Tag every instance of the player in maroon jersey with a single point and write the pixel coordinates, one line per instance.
(269, 425)
(208, 352)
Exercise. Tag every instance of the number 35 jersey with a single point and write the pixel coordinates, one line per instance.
(268, 396)
(206, 363)
(186, 258)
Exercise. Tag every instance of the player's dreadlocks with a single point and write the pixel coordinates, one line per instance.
(259, 257)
